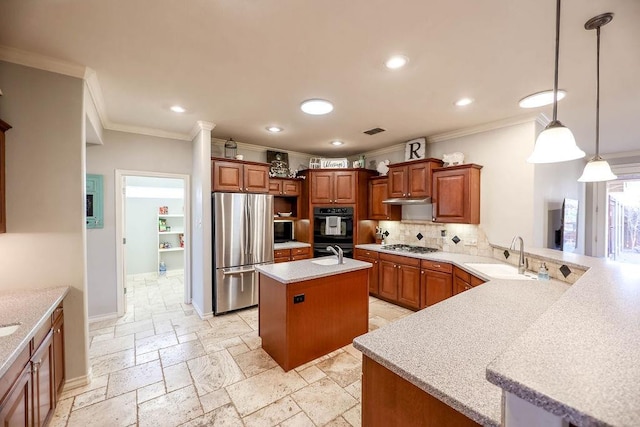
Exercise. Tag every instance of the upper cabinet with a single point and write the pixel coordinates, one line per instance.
(411, 179)
(3, 218)
(379, 191)
(284, 187)
(238, 176)
(333, 187)
(456, 194)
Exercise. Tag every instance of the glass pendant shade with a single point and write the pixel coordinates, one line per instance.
(555, 144)
(597, 170)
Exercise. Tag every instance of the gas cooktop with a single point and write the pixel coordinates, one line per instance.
(409, 248)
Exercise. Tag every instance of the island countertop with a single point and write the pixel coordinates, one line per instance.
(30, 308)
(290, 245)
(307, 269)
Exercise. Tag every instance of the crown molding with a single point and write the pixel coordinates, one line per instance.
(512, 121)
(390, 149)
(260, 148)
(620, 155)
(140, 130)
(200, 126)
(42, 62)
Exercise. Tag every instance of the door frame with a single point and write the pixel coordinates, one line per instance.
(120, 196)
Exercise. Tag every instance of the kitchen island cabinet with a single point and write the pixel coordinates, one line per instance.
(307, 310)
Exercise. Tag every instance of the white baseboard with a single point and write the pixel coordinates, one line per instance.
(93, 319)
(203, 316)
(78, 381)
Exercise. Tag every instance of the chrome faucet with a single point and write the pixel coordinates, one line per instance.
(337, 253)
(521, 260)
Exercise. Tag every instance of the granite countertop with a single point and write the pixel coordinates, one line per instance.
(290, 245)
(306, 269)
(30, 308)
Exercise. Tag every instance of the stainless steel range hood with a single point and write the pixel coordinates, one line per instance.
(402, 201)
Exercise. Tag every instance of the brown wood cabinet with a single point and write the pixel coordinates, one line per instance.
(373, 258)
(238, 176)
(437, 282)
(284, 187)
(411, 179)
(456, 194)
(30, 388)
(463, 281)
(333, 187)
(399, 280)
(3, 211)
(378, 191)
(295, 254)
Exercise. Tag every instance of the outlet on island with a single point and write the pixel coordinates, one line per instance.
(297, 299)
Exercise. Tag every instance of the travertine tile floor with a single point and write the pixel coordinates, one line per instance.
(161, 365)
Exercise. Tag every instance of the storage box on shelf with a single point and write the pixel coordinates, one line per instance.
(379, 191)
(456, 194)
(30, 388)
(171, 241)
(239, 176)
(411, 180)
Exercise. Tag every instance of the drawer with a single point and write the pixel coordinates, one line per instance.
(298, 257)
(281, 253)
(397, 259)
(436, 266)
(364, 253)
(41, 334)
(300, 251)
(281, 259)
(462, 274)
(56, 313)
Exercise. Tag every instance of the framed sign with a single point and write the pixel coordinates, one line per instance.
(334, 163)
(94, 202)
(415, 149)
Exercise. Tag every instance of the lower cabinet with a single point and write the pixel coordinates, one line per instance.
(463, 281)
(436, 284)
(400, 280)
(30, 387)
(295, 254)
(371, 257)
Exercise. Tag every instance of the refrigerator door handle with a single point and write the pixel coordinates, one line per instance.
(236, 272)
(246, 230)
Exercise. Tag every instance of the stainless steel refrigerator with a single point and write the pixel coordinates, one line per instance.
(242, 239)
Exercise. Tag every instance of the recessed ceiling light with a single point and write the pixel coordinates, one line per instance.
(463, 102)
(336, 142)
(316, 106)
(397, 61)
(274, 129)
(540, 99)
(177, 109)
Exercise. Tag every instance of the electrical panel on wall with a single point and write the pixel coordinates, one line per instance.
(94, 202)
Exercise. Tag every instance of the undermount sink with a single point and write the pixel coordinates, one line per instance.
(501, 271)
(6, 330)
(326, 261)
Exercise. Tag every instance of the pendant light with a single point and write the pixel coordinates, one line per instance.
(556, 142)
(597, 169)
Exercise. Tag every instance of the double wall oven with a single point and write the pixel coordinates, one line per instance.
(332, 226)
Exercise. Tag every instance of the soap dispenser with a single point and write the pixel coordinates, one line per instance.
(543, 273)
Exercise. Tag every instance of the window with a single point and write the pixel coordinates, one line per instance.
(623, 219)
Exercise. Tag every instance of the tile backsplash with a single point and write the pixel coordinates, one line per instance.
(456, 238)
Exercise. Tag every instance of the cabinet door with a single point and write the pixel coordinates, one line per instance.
(436, 287)
(373, 273)
(476, 281)
(397, 181)
(16, 409)
(275, 186)
(322, 187)
(388, 283)
(256, 179)
(409, 286)
(43, 382)
(58, 354)
(227, 176)
(290, 188)
(456, 194)
(459, 285)
(300, 253)
(344, 187)
(419, 181)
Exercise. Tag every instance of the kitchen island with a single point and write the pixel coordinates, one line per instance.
(308, 309)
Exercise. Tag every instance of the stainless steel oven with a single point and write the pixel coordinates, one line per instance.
(332, 226)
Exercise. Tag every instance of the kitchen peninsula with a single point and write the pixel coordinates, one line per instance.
(309, 308)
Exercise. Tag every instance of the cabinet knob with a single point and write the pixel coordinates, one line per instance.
(404, 194)
(436, 265)
(421, 271)
(375, 262)
(409, 194)
(58, 331)
(395, 265)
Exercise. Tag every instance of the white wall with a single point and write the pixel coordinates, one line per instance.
(45, 241)
(127, 152)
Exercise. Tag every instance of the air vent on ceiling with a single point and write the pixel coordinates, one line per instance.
(373, 131)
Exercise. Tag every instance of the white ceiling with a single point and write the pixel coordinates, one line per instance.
(247, 64)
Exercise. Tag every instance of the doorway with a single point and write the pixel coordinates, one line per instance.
(623, 219)
(152, 230)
